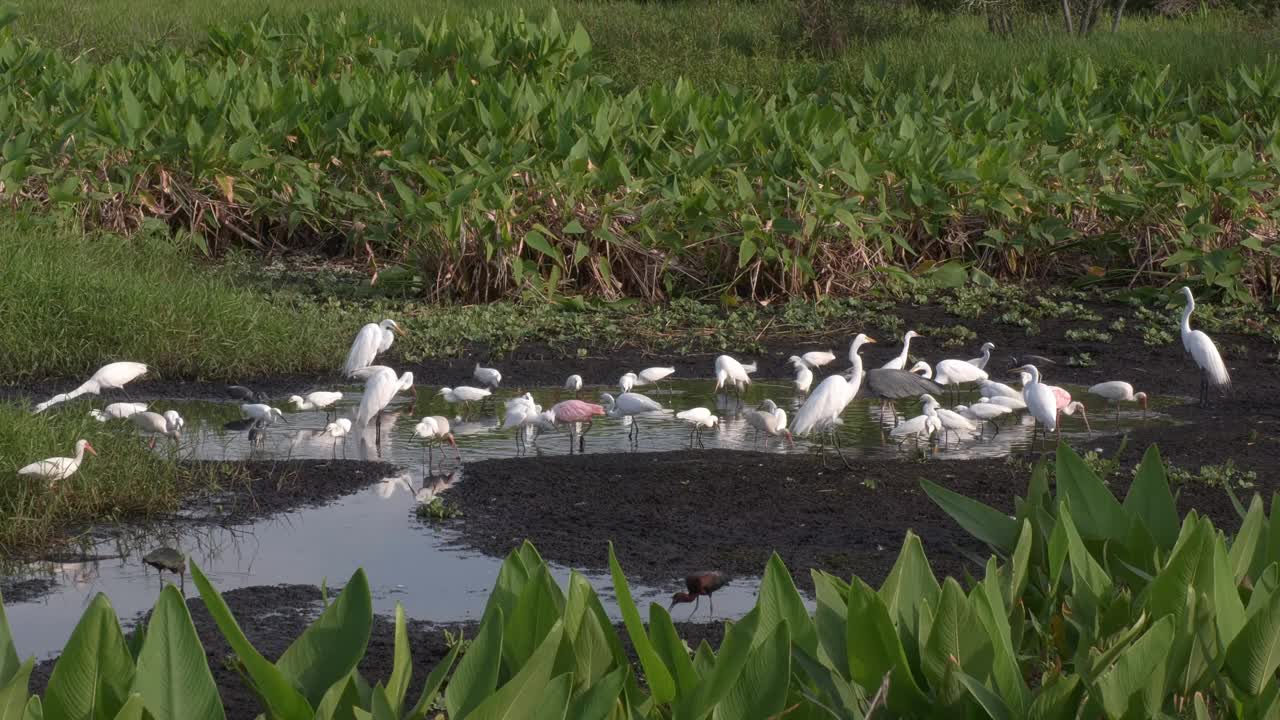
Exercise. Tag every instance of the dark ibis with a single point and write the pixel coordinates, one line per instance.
(699, 584)
(167, 559)
(240, 392)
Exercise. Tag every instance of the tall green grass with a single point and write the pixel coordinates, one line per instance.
(71, 302)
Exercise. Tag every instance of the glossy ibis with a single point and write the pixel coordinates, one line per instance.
(699, 584)
(249, 395)
(167, 559)
(109, 377)
(372, 340)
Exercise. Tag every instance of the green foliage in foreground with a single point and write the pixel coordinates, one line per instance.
(1092, 607)
(490, 159)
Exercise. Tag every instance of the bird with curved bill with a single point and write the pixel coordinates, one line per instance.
(698, 585)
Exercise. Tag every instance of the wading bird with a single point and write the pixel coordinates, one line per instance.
(573, 412)
(952, 420)
(372, 340)
(1066, 407)
(262, 414)
(167, 559)
(435, 429)
(337, 429)
(770, 420)
(900, 361)
(957, 372)
(921, 425)
(1012, 403)
(240, 392)
(654, 375)
(804, 376)
(573, 384)
(814, 358)
(992, 389)
(627, 381)
(985, 412)
(109, 377)
(522, 414)
(154, 424)
(380, 386)
(893, 385)
(699, 419)
(117, 411)
(1040, 400)
(730, 371)
(58, 468)
(822, 411)
(628, 405)
(487, 376)
(698, 585)
(464, 394)
(981, 362)
(320, 400)
(1119, 391)
(1212, 370)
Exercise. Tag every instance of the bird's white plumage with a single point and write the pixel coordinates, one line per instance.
(338, 428)
(1113, 390)
(922, 369)
(487, 376)
(58, 468)
(1012, 403)
(379, 390)
(316, 400)
(730, 371)
(900, 361)
(920, 425)
(814, 358)
(804, 378)
(956, 372)
(372, 340)
(822, 410)
(628, 404)
(698, 417)
(169, 424)
(1041, 402)
(627, 381)
(652, 375)
(464, 393)
(982, 361)
(520, 411)
(261, 412)
(1202, 350)
(117, 411)
(952, 420)
(112, 376)
(993, 389)
(573, 383)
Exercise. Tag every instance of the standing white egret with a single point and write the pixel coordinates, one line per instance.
(58, 468)
(730, 371)
(573, 384)
(1007, 402)
(922, 369)
(627, 381)
(319, 400)
(922, 425)
(900, 361)
(109, 377)
(338, 429)
(822, 411)
(699, 419)
(464, 394)
(814, 358)
(770, 420)
(986, 412)
(117, 411)
(372, 340)
(804, 377)
(957, 372)
(487, 376)
(1119, 391)
(381, 385)
(628, 405)
(992, 389)
(982, 361)
(262, 413)
(1212, 370)
(952, 421)
(1041, 401)
(522, 414)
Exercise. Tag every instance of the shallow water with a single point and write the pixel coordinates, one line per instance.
(416, 563)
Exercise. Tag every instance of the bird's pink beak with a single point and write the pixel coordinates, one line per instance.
(790, 440)
(449, 437)
(89, 447)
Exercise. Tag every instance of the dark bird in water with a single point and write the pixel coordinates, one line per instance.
(167, 559)
(699, 584)
(892, 385)
(240, 392)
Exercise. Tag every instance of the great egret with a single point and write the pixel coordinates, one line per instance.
(900, 361)
(627, 381)
(804, 377)
(380, 387)
(926, 424)
(822, 411)
(1204, 352)
(573, 384)
(730, 371)
(1040, 399)
(319, 400)
(957, 372)
(154, 424)
(372, 340)
(109, 377)
(630, 404)
(58, 468)
(435, 429)
(464, 394)
(1119, 391)
(699, 419)
(487, 376)
(981, 362)
(117, 411)
(814, 358)
(573, 412)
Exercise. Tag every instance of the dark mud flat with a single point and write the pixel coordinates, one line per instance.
(250, 490)
(669, 514)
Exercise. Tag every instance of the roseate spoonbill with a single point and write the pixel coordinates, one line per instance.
(573, 384)
(487, 376)
(167, 559)
(630, 404)
(814, 358)
(320, 400)
(1067, 407)
(892, 385)
(926, 424)
(154, 424)
(58, 468)
(464, 394)
(981, 362)
(1040, 399)
(381, 385)
(627, 381)
(699, 419)
(109, 377)
(337, 429)
(730, 371)
(822, 411)
(117, 411)
(372, 340)
(900, 361)
(435, 429)
(1212, 370)
(804, 376)
(698, 585)
(1119, 391)
(240, 392)
(573, 412)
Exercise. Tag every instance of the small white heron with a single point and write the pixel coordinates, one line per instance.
(320, 400)
(900, 361)
(339, 428)
(804, 378)
(487, 376)
(168, 425)
(814, 358)
(699, 419)
(653, 375)
(922, 425)
(464, 395)
(627, 382)
(573, 384)
(1212, 370)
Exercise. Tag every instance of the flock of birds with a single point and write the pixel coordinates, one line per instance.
(820, 414)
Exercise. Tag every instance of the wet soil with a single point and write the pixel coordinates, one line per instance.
(250, 490)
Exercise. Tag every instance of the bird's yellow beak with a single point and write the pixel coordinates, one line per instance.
(871, 339)
(399, 332)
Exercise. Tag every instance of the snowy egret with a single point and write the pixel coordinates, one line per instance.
(1040, 399)
(154, 424)
(320, 400)
(814, 358)
(464, 394)
(900, 361)
(372, 340)
(573, 384)
(822, 411)
(1212, 370)
(58, 468)
(923, 369)
(337, 429)
(951, 420)
(109, 377)
(804, 378)
(628, 405)
(699, 419)
(573, 412)
(117, 411)
(435, 429)
(627, 381)
(986, 412)
(650, 376)
(261, 413)
(921, 425)
(487, 376)
(730, 371)
(1119, 391)
(981, 362)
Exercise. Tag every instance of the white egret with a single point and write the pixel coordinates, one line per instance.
(730, 371)
(109, 377)
(627, 381)
(921, 425)
(900, 361)
(261, 413)
(573, 384)
(986, 412)
(380, 387)
(923, 369)
(957, 372)
(650, 376)
(628, 405)
(822, 411)
(337, 429)
(320, 400)
(117, 411)
(487, 376)
(521, 413)
(464, 394)
(992, 389)
(1040, 399)
(982, 361)
(1011, 403)
(951, 420)
(1212, 370)
(699, 419)
(804, 378)
(814, 358)
(372, 340)
(58, 468)
(770, 420)
(1119, 391)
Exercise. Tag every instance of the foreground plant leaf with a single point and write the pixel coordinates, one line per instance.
(91, 678)
(331, 646)
(173, 677)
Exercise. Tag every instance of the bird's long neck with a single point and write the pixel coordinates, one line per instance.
(902, 356)
(1186, 316)
(1035, 375)
(986, 354)
(855, 375)
(79, 454)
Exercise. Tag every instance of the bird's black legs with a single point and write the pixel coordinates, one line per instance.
(1204, 389)
(711, 602)
(835, 439)
(696, 599)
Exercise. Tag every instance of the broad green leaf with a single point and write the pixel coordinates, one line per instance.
(661, 683)
(600, 698)
(1228, 608)
(874, 650)
(1263, 588)
(910, 580)
(1098, 514)
(339, 700)
(285, 702)
(957, 641)
(330, 647)
(477, 674)
(591, 650)
(1019, 565)
(1006, 674)
(732, 656)
(1137, 675)
(535, 240)
(1168, 592)
(981, 521)
(1248, 547)
(135, 709)
(173, 673)
(554, 703)
(15, 693)
(1058, 699)
(35, 710)
(9, 662)
(1091, 582)
(761, 688)
(536, 612)
(829, 618)
(1254, 655)
(433, 684)
(401, 664)
(518, 698)
(779, 601)
(1150, 500)
(91, 678)
(672, 650)
(984, 696)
